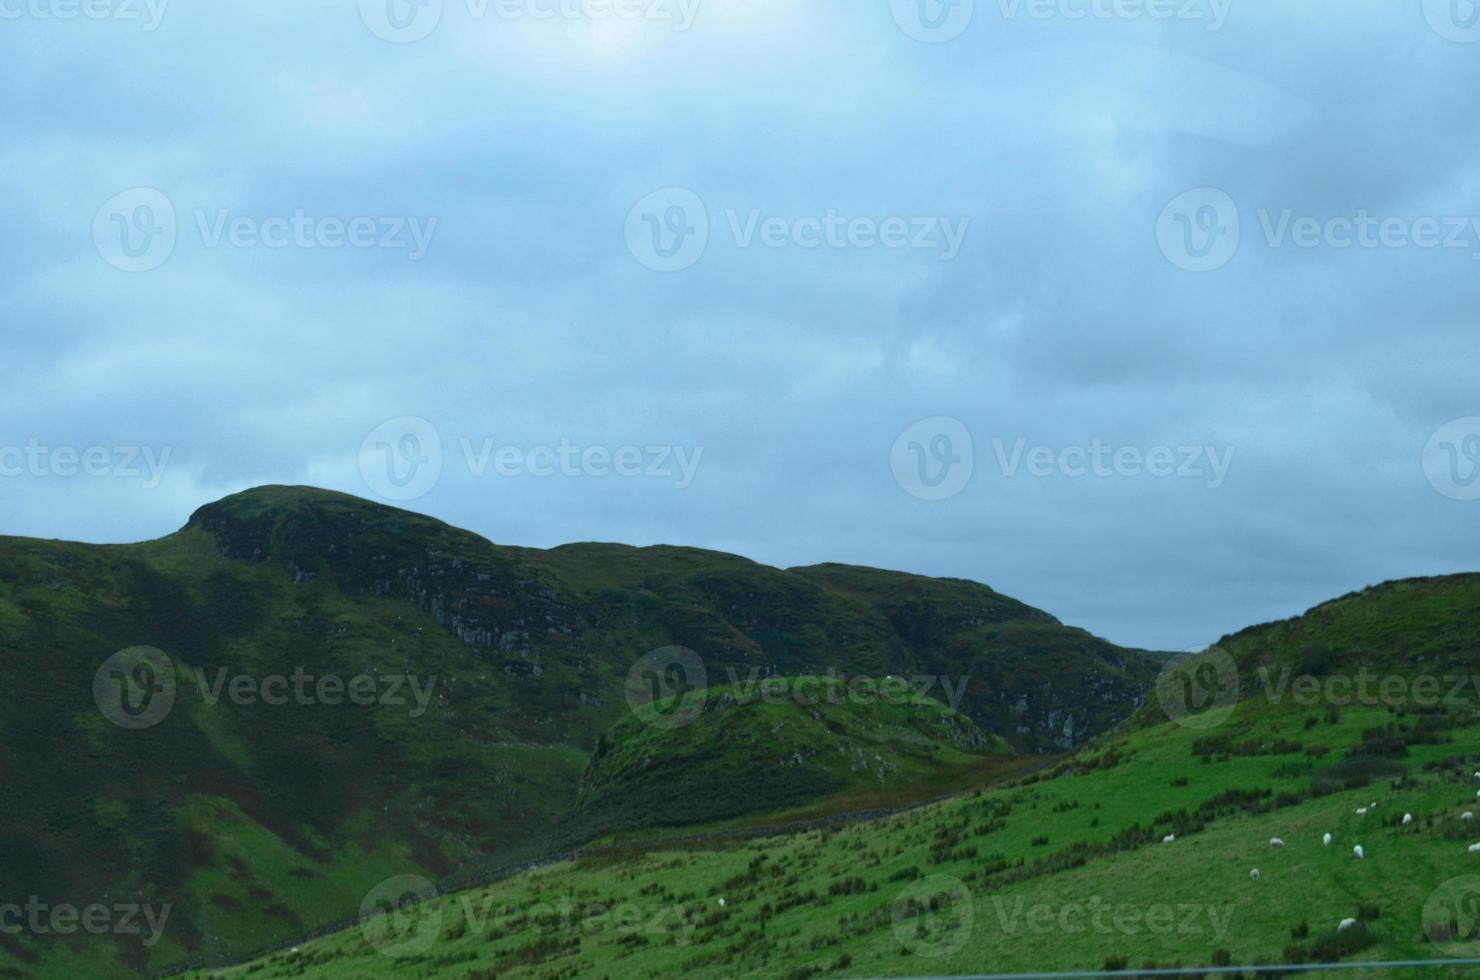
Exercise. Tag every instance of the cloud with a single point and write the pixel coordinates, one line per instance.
(523, 142)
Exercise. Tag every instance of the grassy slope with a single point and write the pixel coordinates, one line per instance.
(760, 749)
(258, 823)
(1089, 833)
(995, 845)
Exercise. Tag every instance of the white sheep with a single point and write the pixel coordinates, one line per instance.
(1475, 848)
(1467, 816)
(1361, 811)
(1276, 842)
(721, 903)
(1477, 775)
(1407, 819)
(1254, 874)
(1361, 854)
(1346, 924)
(1169, 838)
(1326, 841)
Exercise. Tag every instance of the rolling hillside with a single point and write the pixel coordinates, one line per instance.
(263, 803)
(1140, 851)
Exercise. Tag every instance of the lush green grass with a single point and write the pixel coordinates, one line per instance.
(259, 822)
(1037, 860)
(782, 744)
(1029, 864)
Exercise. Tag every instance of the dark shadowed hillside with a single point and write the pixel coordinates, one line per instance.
(493, 672)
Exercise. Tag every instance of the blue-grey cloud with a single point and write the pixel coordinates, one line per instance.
(517, 146)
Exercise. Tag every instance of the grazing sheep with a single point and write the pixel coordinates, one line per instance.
(1467, 816)
(1407, 819)
(1475, 848)
(1346, 924)
(1361, 811)
(1254, 874)
(721, 903)
(1169, 838)
(1361, 854)
(1326, 840)
(1275, 842)
(1477, 775)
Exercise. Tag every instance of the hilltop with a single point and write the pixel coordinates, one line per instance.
(258, 821)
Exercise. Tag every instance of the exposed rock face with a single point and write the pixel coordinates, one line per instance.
(1017, 671)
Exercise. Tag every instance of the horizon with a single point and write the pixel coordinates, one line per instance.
(1196, 648)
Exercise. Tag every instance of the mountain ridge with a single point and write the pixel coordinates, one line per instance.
(294, 811)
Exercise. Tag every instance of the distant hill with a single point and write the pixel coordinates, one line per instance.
(257, 821)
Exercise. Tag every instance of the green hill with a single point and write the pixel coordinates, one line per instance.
(264, 804)
(1069, 868)
(780, 744)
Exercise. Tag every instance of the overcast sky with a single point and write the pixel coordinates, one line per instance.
(959, 290)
